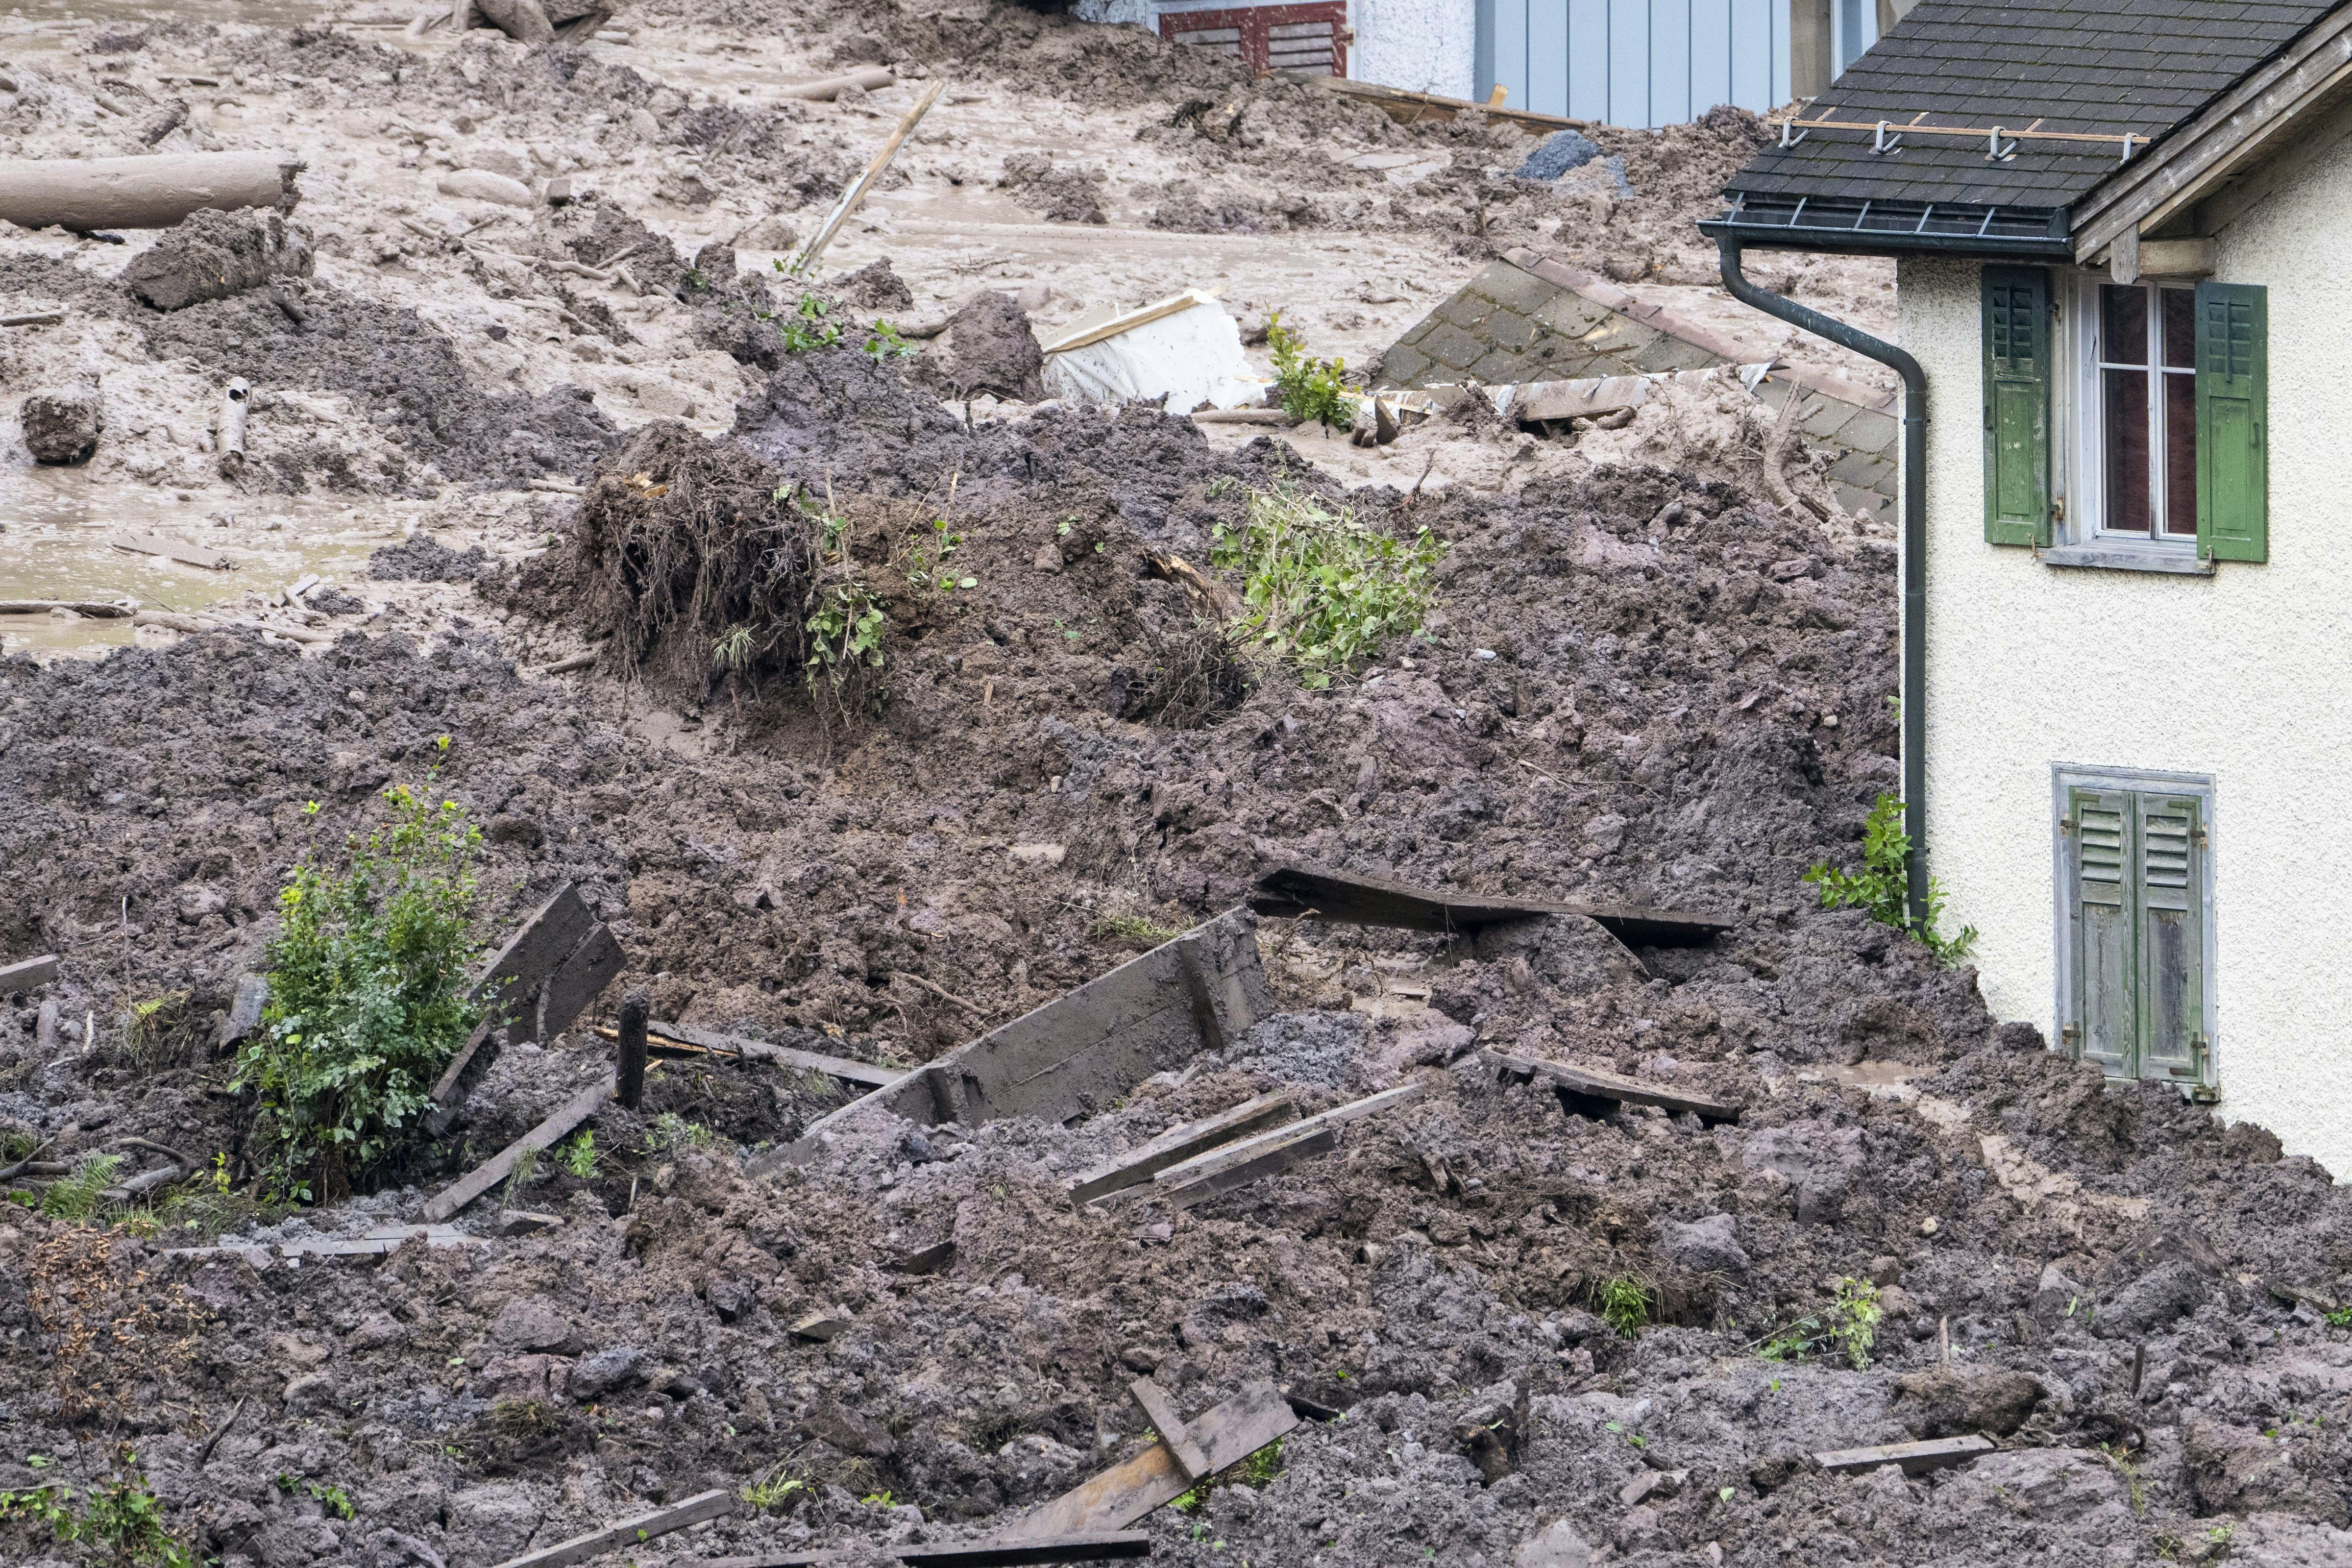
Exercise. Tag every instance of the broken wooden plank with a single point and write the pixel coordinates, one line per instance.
(688, 1035)
(465, 1071)
(1408, 108)
(178, 550)
(1126, 1492)
(1361, 900)
(1182, 1142)
(1168, 1421)
(1598, 1089)
(96, 609)
(927, 1260)
(714, 1504)
(1238, 1164)
(33, 319)
(29, 973)
(551, 934)
(484, 1176)
(592, 965)
(1079, 1053)
(1097, 1546)
(864, 184)
(1917, 1458)
(821, 1326)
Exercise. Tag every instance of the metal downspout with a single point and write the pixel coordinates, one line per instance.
(1914, 545)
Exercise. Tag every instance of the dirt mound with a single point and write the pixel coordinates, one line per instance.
(421, 558)
(212, 255)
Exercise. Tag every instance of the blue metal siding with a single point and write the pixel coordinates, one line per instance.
(1641, 62)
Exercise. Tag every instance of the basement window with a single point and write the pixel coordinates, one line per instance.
(2135, 918)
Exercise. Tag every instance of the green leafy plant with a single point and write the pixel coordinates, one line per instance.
(119, 1521)
(845, 634)
(1310, 388)
(334, 1499)
(578, 1155)
(804, 328)
(884, 342)
(671, 1133)
(1625, 1301)
(1879, 888)
(877, 1499)
(1852, 1320)
(1322, 589)
(775, 1493)
(77, 1197)
(1257, 1471)
(367, 999)
(2339, 1319)
(926, 559)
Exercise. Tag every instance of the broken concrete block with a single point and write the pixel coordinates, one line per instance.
(62, 426)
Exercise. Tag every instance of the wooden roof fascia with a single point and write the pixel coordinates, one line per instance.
(2241, 125)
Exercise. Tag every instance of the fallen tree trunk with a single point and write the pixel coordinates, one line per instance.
(90, 194)
(825, 89)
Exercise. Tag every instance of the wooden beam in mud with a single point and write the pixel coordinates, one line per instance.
(1917, 1458)
(1588, 1092)
(1238, 1164)
(28, 973)
(1126, 1492)
(1358, 898)
(1168, 1421)
(1097, 1546)
(715, 1504)
(687, 1039)
(1182, 1142)
(496, 1169)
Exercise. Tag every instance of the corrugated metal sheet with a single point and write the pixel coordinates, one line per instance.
(1649, 62)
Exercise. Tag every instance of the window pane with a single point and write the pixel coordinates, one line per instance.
(2179, 448)
(2181, 328)
(2125, 396)
(2123, 334)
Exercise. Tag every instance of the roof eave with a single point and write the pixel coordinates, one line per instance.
(1847, 242)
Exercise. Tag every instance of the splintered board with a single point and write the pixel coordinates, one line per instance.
(1356, 899)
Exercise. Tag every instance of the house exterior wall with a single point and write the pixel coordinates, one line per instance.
(1422, 46)
(2245, 677)
(1639, 62)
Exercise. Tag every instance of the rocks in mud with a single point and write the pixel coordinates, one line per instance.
(214, 255)
(533, 1323)
(421, 558)
(2156, 1298)
(604, 1372)
(1957, 1401)
(1705, 1246)
(2234, 1470)
(62, 426)
(873, 286)
(774, 232)
(1555, 1546)
(482, 185)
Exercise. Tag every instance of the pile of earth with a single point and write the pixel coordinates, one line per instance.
(1626, 693)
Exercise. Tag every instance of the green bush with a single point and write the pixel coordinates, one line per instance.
(1310, 388)
(119, 1521)
(367, 995)
(1878, 889)
(1320, 588)
(76, 1198)
(1626, 1303)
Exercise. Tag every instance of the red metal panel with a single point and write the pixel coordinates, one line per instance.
(1254, 23)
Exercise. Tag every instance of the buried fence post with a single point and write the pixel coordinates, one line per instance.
(636, 1007)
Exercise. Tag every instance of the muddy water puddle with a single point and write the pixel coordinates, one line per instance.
(54, 544)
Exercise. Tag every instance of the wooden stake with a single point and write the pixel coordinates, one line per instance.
(858, 187)
(636, 1007)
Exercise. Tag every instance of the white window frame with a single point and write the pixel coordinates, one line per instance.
(2065, 777)
(2080, 481)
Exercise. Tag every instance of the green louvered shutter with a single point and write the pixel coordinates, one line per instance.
(2232, 422)
(2172, 935)
(2017, 404)
(2101, 823)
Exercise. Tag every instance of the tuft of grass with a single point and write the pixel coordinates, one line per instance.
(1878, 889)
(1853, 1317)
(1322, 589)
(776, 1494)
(1133, 930)
(671, 1133)
(1625, 1301)
(1257, 1472)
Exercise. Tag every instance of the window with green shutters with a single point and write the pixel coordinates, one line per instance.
(2134, 855)
(2157, 393)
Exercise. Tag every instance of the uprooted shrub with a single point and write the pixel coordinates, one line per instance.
(1321, 588)
(367, 999)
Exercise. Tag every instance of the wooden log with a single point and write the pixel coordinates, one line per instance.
(1168, 1421)
(1243, 417)
(717, 1503)
(1100, 1546)
(825, 89)
(1599, 1090)
(1917, 1458)
(1238, 1164)
(629, 1085)
(1126, 1492)
(860, 186)
(178, 550)
(1352, 897)
(97, 609)
(33, 319)
(153, 192)
(490, 1174)
(1182, 1142)
(26, 974)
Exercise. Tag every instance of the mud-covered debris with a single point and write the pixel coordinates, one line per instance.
(873, 286)
(62, 426)
(421, 558)
(990, 347)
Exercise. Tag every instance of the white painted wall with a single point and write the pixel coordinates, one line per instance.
(2246, 676)
(1422, 46)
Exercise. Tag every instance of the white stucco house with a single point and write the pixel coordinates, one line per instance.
(2123, 238)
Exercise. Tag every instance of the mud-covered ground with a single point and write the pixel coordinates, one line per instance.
(1637, 684)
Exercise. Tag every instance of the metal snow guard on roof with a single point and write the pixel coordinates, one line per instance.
(1852, 225)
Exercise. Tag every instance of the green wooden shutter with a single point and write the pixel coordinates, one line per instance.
(2017, 404)
(2101, 825)
(2171, 977)
(2232, 422)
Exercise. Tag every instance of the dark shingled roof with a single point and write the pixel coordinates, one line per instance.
(2074, 65)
